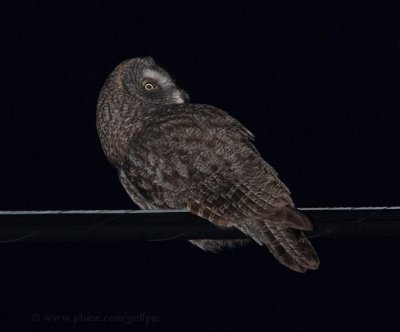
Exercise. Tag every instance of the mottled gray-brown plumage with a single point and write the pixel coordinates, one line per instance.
(171, 154)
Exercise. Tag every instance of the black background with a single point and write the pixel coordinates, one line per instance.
(318, 85)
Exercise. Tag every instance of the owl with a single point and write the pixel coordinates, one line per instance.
(172, 154)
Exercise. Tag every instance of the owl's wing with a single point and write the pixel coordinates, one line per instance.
(199, 158)
(133, 193)
(276, 227)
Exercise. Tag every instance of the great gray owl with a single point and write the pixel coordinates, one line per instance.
(171, 154)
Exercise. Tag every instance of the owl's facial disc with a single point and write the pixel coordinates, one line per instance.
(159, 85)
(144, 80)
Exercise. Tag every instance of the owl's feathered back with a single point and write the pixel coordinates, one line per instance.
(173, 154)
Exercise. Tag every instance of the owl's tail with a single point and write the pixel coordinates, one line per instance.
(289, 246)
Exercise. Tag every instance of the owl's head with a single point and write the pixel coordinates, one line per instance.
(143, 80)
(132, 88)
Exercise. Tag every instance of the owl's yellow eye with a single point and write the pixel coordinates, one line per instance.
(149, 86)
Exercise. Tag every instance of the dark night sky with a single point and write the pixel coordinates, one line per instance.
(317, 84)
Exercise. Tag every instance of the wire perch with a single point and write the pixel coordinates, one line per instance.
(129, 225)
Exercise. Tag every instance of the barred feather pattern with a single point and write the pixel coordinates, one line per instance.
(197, 157)
(216, 173)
